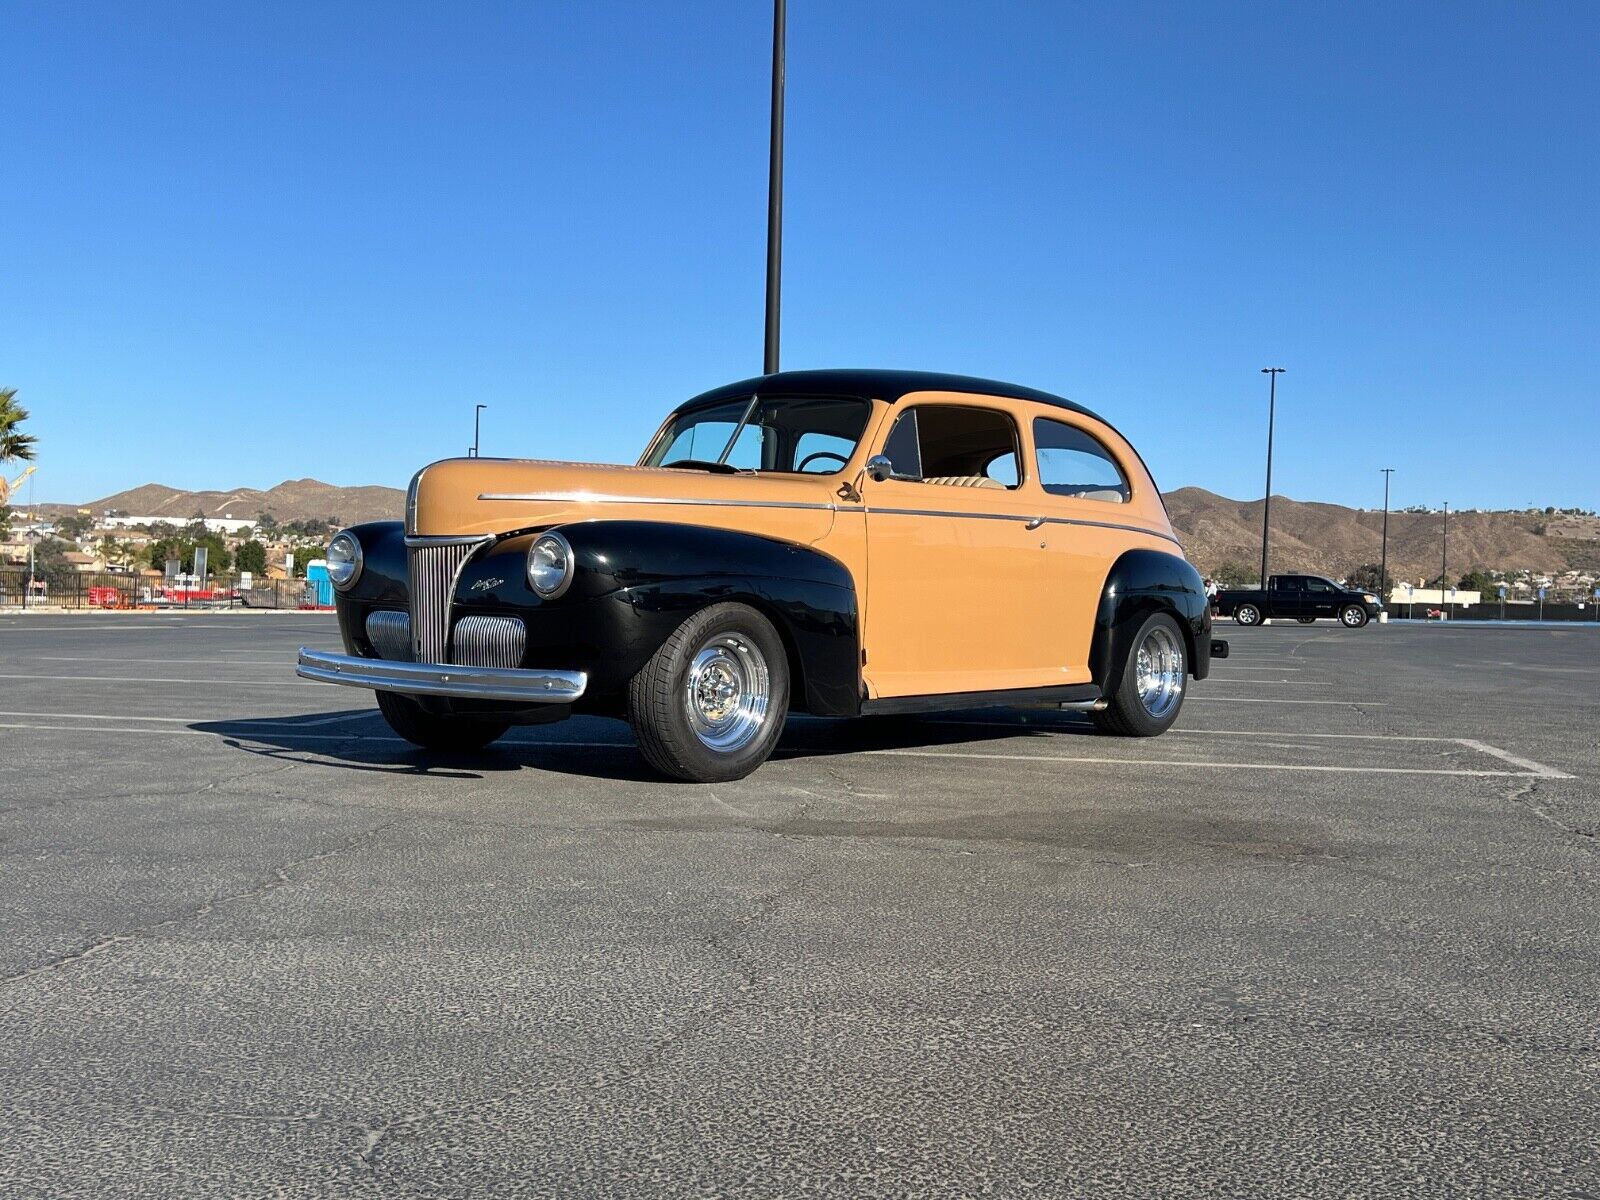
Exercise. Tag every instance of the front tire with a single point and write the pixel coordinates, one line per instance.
(1247, 614)
(710, 704)
(1353, 616)
(1149, 696)
(431, 731)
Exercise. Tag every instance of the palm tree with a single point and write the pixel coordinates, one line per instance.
(14, 444)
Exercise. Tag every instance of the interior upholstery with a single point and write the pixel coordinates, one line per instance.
(972, 481)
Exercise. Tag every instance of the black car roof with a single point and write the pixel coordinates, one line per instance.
(888, 386)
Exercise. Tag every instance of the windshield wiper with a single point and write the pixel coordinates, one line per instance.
(701, 464)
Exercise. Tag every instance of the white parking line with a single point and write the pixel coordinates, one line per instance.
(1533, 768)
(1272, 700)
(1234, 766)
(1209, 680)
(291, 721)
(286, 660)
(189, 682)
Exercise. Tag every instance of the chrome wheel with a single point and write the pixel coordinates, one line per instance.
(1354, 617)
(1158, 665)
(728, 692)
(1247, 614)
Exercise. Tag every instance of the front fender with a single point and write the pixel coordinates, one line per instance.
(1140, 583)
(637, 581)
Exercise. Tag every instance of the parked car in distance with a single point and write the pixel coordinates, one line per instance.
(838, 543)
(1301, 597)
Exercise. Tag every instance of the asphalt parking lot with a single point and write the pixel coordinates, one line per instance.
(1336, 934)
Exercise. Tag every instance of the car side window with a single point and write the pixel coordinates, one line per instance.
(1073, 463)
(954, 446)
(1319, 585)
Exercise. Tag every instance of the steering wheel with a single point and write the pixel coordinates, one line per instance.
(820, 454)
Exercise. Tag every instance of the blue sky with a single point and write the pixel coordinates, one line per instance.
(249, 242)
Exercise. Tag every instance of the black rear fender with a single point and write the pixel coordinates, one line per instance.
(1140, 583)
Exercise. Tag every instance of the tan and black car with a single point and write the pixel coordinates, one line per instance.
(837, 543)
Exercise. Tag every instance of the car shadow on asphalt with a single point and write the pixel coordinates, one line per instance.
(359, 740)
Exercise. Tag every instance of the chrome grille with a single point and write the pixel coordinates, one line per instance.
(488, 642)
(435, 566)
(390, 635)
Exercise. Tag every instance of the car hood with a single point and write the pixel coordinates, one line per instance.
(466, 496)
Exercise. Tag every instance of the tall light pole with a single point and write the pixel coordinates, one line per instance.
(1272, 374)
(1444, 555)
(477, 419)
(1383, 558)
(769, 360)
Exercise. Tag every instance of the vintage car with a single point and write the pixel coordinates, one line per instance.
(838, 543)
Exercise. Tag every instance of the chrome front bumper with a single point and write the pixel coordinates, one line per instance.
(443, 679)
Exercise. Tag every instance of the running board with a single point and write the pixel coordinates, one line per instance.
(1077, 696)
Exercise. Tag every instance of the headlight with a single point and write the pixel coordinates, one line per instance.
(1370, 598)
(550, 564)
(344, 560)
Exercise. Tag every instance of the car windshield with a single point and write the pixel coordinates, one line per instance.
(806, 435)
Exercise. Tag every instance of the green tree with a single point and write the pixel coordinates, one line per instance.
(266, 524)
(181, 547)
(1234, 574)
(1479, 581)
(14, 444)
(252, 557)
(1366, 576)
(74, 525)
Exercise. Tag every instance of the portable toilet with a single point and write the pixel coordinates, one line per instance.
(318, 583)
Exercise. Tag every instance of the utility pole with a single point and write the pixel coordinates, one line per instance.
(1272, 374)
(477, 419)
(769, 361)
(1444, 556)
(1383, 560)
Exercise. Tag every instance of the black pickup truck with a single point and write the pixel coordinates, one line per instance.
(1302, 597)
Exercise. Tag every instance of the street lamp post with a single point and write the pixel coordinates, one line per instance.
(477, 425)
(1383, 558)
(1272, 374)
(1444, 556)
(769, 359)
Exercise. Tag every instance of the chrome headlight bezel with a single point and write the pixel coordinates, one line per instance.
(344, 567)
(552, 552)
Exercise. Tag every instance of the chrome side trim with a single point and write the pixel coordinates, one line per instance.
(601, 498)
(442, 679)
(1027, 520)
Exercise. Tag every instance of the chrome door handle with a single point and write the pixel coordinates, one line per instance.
(1035, 523)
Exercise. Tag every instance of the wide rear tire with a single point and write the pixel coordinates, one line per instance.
(710, 704)
(1149, 695)
(453, 735)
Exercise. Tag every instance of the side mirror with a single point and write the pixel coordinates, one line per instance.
(879, 468)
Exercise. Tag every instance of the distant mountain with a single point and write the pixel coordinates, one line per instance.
(1327, 539)
(291, 500)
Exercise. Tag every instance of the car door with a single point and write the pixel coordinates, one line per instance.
(1287, 597)
(957, 588)
(1321, 598)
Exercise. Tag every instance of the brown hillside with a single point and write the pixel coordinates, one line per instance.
(1333, 540)
(292, 500)
(1325, 538)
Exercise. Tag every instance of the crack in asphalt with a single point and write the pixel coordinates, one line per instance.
(1523, 798)
(281, 876)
